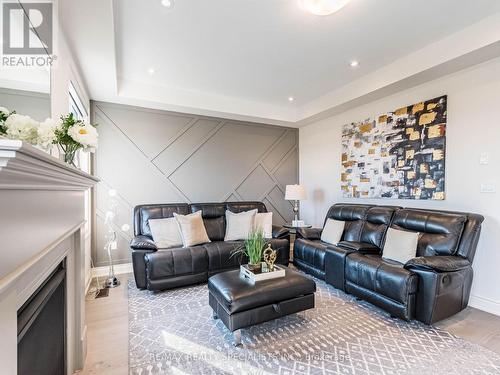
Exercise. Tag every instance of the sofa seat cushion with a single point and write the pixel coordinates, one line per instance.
(282, 246)
(237, 294)
(310, 252)
(173, 262)
(219, 255)
(381, 276)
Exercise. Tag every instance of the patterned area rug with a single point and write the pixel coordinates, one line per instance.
(173, 333)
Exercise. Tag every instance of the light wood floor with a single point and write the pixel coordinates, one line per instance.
(107, 331)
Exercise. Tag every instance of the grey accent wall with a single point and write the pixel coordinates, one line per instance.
(151, 156)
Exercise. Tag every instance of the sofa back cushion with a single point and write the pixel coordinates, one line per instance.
(143, 213)
(213, 218)
(377, 221)
(440, 233)
(353, 215)
(237, 207)
(213, 215)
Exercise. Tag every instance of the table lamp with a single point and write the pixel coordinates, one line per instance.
(296, 193)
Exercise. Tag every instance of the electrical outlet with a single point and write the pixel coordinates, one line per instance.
(488, 188)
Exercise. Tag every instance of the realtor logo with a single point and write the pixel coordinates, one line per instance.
(27, 29)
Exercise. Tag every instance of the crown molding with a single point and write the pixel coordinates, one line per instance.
(24, 167)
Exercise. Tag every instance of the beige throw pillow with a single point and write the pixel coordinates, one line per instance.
(332, 232)
(192, 229)
(400, 246)
(264, 222)
(239, 225)
(165, 232)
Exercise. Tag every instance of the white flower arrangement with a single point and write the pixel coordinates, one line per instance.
(70, 134)
(4, 114)
(46, 133)
(73, 135)
(22, 127)
(84, 134)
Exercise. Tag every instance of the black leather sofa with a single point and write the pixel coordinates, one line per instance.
(433, 286)
(157, 269)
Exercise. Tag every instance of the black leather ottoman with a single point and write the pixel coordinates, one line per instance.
(239, 303)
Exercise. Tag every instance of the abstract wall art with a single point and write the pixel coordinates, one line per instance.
(398, 155)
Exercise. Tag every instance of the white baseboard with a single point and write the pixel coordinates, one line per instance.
(485, 304)
(119, 269)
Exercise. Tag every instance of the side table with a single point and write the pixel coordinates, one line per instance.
(293, 231)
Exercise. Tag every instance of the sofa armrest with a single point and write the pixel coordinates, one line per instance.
(309, 233)
(444, 284)
(280, 232)
(361, 247)
(439, 263)
(143, 243)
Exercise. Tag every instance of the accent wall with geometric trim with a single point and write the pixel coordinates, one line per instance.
(399, 154)
(153, 156)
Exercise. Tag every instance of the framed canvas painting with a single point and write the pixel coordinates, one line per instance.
(398, 155)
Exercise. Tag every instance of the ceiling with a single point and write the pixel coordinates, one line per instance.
(245, 58)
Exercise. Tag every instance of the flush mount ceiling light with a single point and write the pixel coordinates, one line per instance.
(354, 63)
(167, 3)
(291, 98)
(322, 7)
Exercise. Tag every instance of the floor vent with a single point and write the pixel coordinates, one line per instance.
(102, 293)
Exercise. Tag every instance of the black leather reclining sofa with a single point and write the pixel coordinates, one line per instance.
(157, 269)
(433, 286)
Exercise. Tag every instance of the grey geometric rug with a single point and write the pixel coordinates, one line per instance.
(173, 333)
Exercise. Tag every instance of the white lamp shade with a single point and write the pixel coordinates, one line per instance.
(295, 193)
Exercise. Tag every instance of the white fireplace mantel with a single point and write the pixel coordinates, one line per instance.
(42, 214)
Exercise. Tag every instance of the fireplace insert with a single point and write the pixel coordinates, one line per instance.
(41, 328)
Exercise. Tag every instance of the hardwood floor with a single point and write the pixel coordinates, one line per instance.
(476, 326)
(107, 331)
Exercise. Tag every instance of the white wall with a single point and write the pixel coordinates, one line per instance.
(33, 104)
(64, 72)
(473, 128)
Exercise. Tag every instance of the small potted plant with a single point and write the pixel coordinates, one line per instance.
(252, 247)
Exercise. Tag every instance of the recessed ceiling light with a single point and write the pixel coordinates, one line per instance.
(291, 98)
(167, 3)
(322, 7)
(151, 71)
(354, 63)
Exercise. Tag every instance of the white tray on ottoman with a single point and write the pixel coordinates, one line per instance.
(263, 274)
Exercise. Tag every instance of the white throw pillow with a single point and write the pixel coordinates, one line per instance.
(239, 225)
(332, 232)
(400, 246)
(165, 232)
(192, 229)
(264, 222)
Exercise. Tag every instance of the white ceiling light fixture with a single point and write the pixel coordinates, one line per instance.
(167, 3)
(354, 64)
(291, 98)
(322, 7)
(151, 71)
